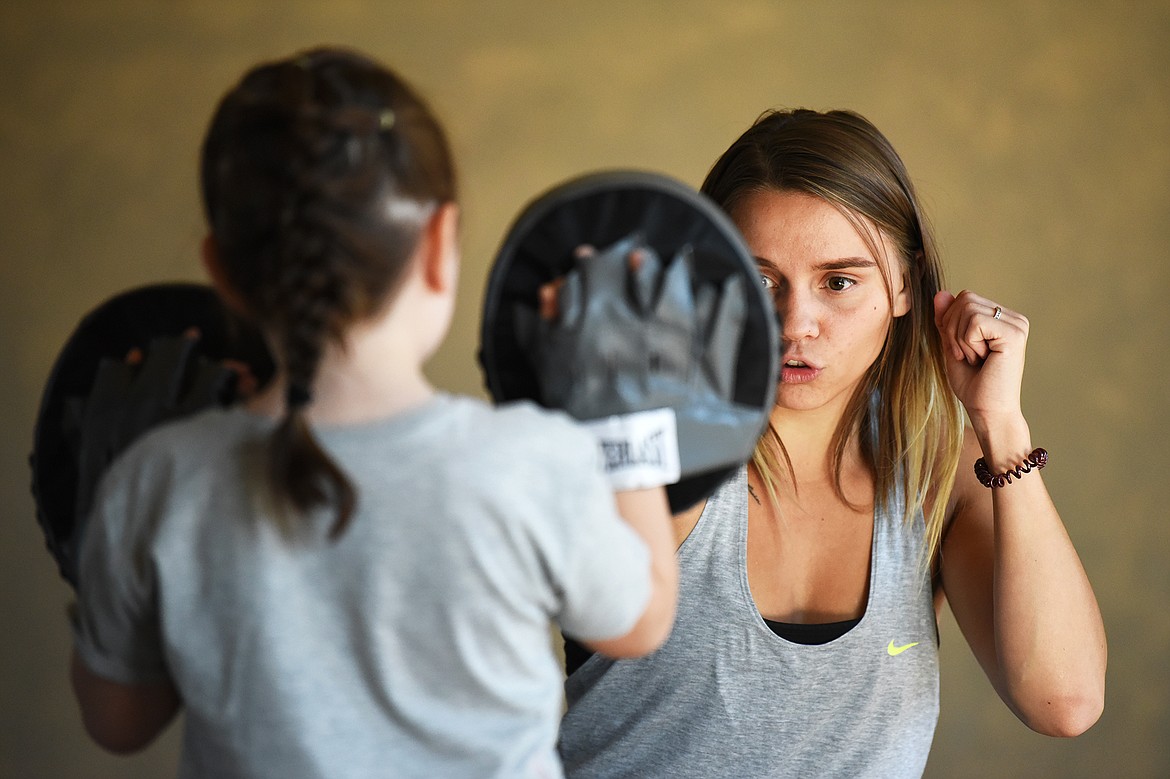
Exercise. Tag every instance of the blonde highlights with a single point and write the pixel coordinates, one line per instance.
(906, 418)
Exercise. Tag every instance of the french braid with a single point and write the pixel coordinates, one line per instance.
(299, 166)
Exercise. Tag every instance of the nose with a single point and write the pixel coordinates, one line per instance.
(797, 314)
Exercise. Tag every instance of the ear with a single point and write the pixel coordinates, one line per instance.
(441, 249)
(902, 297)
(904, 294)
(209, 253)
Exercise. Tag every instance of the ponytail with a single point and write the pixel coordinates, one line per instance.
(300, 471)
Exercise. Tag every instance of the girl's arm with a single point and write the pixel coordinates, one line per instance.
(648, 513)
(122, 718)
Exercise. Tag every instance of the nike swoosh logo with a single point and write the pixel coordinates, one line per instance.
(894, 651)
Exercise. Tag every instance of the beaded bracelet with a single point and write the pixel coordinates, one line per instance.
(1037, 459)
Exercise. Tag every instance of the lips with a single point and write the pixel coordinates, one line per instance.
(796, 371)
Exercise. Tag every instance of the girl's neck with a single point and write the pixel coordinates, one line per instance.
(346, 399)
(351, 394)
(377, 373)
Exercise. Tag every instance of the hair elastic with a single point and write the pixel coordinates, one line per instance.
(297, 395)
(1037, 460)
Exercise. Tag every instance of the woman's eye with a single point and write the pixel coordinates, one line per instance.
(840, 283)
(768, 282)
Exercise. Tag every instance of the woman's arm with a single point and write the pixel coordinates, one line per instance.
(1021, 598)
(1009, 570)
(122, 718)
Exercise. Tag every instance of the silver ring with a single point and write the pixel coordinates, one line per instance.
(998, 312)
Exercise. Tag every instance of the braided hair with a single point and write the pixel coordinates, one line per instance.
(318, 174)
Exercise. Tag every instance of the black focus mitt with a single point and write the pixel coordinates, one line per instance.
(661, 339)
(144, 357)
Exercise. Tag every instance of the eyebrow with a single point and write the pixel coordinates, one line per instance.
(842, 263)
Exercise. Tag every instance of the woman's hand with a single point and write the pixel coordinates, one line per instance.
(985, 343)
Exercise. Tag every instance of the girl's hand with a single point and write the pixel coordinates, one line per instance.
(985, 344)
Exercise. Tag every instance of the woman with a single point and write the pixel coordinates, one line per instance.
(306, 576)
(806, 640)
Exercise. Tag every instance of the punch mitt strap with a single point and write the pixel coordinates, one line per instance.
(668, 313)
(97, 402)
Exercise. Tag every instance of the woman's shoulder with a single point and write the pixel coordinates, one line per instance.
(965, 487)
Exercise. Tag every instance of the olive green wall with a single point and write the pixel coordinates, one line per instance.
(1037, 132)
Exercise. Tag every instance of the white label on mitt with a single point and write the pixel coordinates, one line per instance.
(639, 450)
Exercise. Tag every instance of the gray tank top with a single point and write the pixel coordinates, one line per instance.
(727, 697)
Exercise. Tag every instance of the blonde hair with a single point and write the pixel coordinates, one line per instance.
(913, 433)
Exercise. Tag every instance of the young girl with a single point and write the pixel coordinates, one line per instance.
(353, 575)
(806, 640)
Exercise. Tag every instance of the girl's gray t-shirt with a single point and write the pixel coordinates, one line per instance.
(416, 644)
